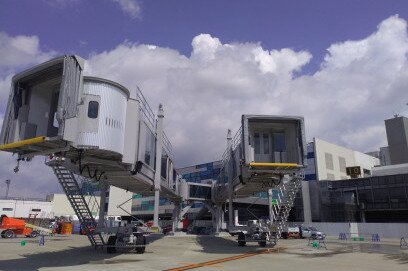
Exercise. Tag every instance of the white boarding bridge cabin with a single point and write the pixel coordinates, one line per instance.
(98, 127)
(262, 152)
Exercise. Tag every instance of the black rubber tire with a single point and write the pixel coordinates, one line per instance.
(33, 234)
(141, 241)
(8, 234)
(241, 236)
(262, 243)
(110, 245)
(2, 234)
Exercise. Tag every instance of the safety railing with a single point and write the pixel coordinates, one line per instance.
(146, 110)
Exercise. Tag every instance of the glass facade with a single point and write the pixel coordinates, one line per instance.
(371, 199)
(201, 172)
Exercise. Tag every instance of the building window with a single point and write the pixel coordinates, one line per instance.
(150, 148)
(93, 109)
(257, 142)
(8, 209)
(342, 164)
(329, 160)
(36, 210)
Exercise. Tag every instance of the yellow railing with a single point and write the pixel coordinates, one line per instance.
(21, 143)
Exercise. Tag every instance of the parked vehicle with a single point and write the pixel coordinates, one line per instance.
(258, 231)
(10, 227)
(294, 232)
(312, 232)
(167, 229)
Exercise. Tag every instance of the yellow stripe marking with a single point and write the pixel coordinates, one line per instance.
(256, 164)
(30, 141)
(215, 262)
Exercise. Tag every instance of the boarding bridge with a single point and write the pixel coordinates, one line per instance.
(267, 153)
(90, 127)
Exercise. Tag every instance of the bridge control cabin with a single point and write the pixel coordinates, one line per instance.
(98, 127)
(264, 149)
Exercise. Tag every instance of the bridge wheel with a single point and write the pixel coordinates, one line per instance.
(111, 244)
(263, 242)
(141, 244)
(241, 239)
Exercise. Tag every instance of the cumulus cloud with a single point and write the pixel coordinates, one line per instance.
(19, 51)
(358, 85)
(131, 8)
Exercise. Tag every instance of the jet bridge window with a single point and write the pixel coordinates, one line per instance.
(257, 142)
(93, 109)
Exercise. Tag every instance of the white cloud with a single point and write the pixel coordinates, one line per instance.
(131, 8)
(19, 51)
(345, 101)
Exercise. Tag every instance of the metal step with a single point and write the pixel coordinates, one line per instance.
(77, 200)
(286, 197)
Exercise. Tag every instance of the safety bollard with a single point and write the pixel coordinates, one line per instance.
(41, 240)
(375, 237)
(23, 243)
(342, 236)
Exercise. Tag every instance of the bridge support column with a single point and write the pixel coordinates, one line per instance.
(230, 188)
(271, 214)
(104, 189)
(157, 174)
(219, 214)
(230, 212)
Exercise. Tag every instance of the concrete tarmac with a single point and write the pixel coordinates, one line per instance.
(200, 253)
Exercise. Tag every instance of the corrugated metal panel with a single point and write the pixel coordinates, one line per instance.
(112, 117)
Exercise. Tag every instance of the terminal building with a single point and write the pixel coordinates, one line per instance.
(378, 194)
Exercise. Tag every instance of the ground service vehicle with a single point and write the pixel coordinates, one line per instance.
(256, 231)
(10, 227)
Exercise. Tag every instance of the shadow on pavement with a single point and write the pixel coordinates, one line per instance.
(219, 245)
(68, 257)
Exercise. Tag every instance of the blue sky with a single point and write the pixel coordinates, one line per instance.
(340, 64)
(84, 27)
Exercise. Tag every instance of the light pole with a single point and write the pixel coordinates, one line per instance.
(8, 187)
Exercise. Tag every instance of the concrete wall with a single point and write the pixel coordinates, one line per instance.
(385, 230)
(22, 208)
(324, 150)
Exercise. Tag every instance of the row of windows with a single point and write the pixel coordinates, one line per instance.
(11, 209)
(328, 157)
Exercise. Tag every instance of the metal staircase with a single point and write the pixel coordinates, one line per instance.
(285, 200)
(77, 200)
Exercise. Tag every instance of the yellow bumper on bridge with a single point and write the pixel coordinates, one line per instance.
(21, 143)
